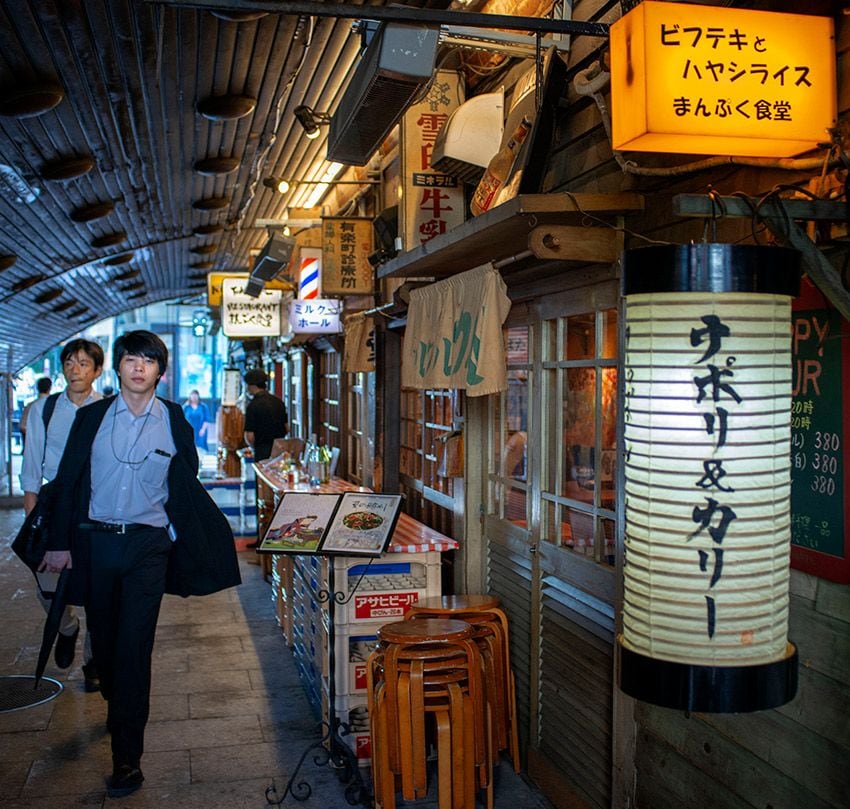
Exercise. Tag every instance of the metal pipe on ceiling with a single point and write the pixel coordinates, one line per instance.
(411, 14)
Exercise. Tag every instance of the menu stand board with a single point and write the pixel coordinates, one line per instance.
(349, 524)
(820, 438)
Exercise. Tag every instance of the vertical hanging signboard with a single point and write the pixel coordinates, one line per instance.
(820, 438)
(346, 245)
(433, 202)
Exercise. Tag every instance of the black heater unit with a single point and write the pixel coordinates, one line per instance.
(273, 258)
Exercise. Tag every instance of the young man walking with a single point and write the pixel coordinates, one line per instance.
(82, 363)
(131, 521)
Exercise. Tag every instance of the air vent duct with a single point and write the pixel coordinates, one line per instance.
(396, 64)
(273, 258)
(470, 137)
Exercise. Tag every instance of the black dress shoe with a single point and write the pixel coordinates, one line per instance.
(66, 646)
(92, 681)
(125, 780)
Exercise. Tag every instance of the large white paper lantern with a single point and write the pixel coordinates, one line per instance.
(707, 429)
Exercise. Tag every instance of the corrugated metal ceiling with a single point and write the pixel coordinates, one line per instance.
(132, 74)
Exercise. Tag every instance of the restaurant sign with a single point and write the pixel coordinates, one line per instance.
(216, 279)
(346, 246)
(317, 316)
(714, 80)
(245, 316)
(433, 202)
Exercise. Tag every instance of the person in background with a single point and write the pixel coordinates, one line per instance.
(42, 387)
(130, 520)
(198, 415)
(108, 390)
(265, 416)
(82, 363)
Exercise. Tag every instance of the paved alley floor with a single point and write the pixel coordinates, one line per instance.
(228, 714)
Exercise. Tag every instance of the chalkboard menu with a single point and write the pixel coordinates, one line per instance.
(820, 438)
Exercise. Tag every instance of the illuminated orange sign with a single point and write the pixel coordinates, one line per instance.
(216, 279)
(710, 80)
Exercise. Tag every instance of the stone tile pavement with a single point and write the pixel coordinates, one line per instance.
(228, 714)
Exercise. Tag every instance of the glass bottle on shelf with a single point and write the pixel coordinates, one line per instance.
(498, 170)
(314, 461)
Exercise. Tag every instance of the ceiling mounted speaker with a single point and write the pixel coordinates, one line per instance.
(67, 168)
(29, 281)
(7, 261)
(203, 265)
(115, 261)
(207, 230)
(394, 67)
(215, 166)
(273, 258)
(211, 204)
(239, 16)
(27, 102)
(89, 213)
(49, 295)
(127, 275)
(61, 307)
(226, 108)
(109, 240)
(204, 249)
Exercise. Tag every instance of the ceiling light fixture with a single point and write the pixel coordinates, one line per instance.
(277, 184)
(311, 120)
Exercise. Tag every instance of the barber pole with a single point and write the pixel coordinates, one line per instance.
(310, 273)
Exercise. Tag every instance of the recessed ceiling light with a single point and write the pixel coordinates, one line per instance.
(136, 295)
(109, 240)
(227, 107)
(29, 281)
(67, 168)
(48, 295)
(215, 166)
(61, 307)
(29, 101)
(89, 213)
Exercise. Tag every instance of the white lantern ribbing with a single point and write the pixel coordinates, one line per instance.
(707, 404)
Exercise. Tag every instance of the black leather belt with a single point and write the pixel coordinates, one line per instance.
(116, 527)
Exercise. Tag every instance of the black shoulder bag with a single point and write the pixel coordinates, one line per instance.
(31, 542)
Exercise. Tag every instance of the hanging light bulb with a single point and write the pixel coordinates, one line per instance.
(277, 184)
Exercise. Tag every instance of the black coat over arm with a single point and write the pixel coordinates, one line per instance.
(203, 558)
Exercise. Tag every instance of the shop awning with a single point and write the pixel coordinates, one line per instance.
(454, 338)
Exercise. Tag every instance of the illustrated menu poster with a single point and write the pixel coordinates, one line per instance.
(300, 521)
(363, 524)
(820, 426)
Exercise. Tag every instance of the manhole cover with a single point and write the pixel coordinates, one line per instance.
(17, 692)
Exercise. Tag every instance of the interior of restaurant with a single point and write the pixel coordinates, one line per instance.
(306, 175)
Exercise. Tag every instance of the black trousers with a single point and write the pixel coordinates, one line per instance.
(127, 585)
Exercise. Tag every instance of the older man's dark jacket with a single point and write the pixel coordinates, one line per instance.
(203, 558)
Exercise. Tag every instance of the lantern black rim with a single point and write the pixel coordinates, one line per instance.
(708, 689)
(711, 267)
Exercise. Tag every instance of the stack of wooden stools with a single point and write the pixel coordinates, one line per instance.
(429, 667)
(490, 626)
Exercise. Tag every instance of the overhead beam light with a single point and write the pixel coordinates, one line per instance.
(311, 120)
(285, 186)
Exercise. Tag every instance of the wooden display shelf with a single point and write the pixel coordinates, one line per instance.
(552, 226)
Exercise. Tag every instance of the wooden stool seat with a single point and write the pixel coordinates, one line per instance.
(426, 630)
(449, 605)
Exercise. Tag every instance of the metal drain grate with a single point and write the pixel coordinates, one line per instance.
(17, 692)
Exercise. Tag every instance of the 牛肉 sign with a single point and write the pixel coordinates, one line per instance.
(704, 80)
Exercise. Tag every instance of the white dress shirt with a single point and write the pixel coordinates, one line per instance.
(33, 471)
(129, 465)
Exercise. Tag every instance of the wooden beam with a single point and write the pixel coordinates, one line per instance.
(586, 244)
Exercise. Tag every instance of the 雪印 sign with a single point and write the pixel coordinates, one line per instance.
(704, 80)
(318, 316)
(245, 316)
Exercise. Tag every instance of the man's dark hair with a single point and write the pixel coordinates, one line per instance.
(93, 350)
(140, 343)
(257, 377)
(43, 384)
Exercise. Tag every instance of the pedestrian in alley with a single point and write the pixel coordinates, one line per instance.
(265, 416)
(42, 388)
(49, 425)
(198, 416)
(131, 521)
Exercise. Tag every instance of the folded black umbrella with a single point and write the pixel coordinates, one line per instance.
(52, 623)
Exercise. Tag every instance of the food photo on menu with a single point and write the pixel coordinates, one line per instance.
(363, 524)
(299, 522)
